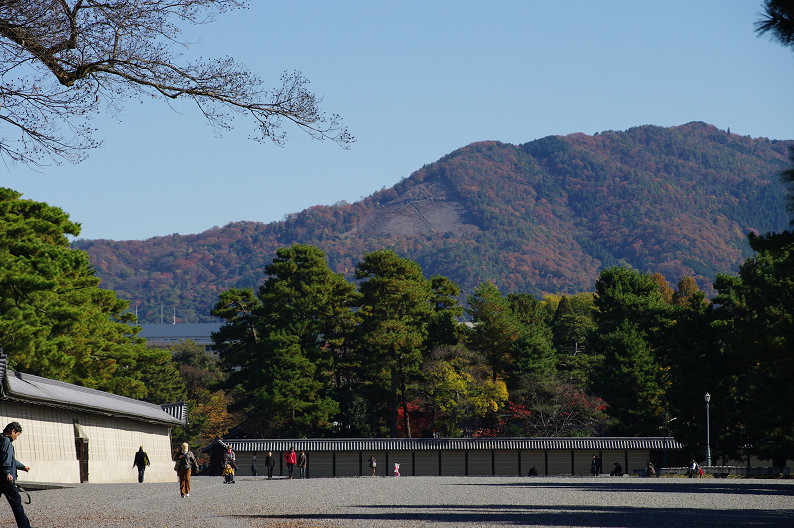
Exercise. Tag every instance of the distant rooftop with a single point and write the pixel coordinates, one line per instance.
(172, 333)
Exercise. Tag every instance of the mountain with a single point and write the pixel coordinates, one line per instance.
(541, 217)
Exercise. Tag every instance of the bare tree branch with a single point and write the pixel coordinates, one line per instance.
(63, 61)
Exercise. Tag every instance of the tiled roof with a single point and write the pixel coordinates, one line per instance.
(450, 444)
(17, 386)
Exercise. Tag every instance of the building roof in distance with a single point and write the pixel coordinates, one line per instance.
(199, 332)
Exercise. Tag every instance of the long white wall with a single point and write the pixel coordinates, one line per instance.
(47, 445)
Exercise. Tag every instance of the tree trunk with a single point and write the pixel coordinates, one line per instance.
(406, 416)
(394, 403)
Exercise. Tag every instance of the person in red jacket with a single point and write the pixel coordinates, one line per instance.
(290, 458)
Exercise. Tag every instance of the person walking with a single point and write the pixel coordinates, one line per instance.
(373, 464)
(595, 466)
(230, 459)
(302, 464)
(185, 464)
(10, 466)
(290, 458)
(141, 461)
(270, 463)
(253, 464)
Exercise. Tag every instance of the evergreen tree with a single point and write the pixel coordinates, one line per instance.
(533, 351)
(495, 329)
(442, 329)
(778, 19)
(55, 320)
(632, 323)
(570, 331)
(238, 340)
(274, 345)
(395, 308)
(755, 315)
(699, 364)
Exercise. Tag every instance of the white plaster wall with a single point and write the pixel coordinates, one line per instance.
(47, 445)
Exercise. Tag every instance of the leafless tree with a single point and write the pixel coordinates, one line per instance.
(64, 61)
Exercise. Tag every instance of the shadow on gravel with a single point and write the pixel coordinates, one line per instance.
(502, 515)
(654, 486)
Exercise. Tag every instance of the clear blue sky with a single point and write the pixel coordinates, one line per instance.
(413, 82)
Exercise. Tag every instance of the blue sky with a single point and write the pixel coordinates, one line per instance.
(414, 81)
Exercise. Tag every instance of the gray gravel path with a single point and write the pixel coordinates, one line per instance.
(419, 501)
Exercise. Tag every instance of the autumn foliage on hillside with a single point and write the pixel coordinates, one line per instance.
(542, 217)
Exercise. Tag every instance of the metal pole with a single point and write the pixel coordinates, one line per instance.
(708, 436)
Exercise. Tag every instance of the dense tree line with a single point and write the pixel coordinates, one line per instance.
(311, 354)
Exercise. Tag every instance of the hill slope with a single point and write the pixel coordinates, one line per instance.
(542, 217)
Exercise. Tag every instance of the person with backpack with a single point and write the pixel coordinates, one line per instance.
(141, 461)
(185, 464)
(373, 464)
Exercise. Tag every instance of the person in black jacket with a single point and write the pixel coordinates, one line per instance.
(10, 466)
(270, 463)
(595, 466)
(141, 461)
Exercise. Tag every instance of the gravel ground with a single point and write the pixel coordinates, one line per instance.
(418, 501)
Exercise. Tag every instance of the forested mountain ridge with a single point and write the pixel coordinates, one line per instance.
(541, 217)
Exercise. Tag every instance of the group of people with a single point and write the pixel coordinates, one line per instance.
(291, 459)
(595, 468)
(186, 465)
(694, 469)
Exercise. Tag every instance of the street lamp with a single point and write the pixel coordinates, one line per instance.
(708, 438)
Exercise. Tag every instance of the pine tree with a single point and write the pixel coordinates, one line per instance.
(633, 321)
(495, 327)
(395, 308)
(275, 345)
(55, 320)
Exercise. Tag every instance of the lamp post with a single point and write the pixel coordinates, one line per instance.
(708, 437)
